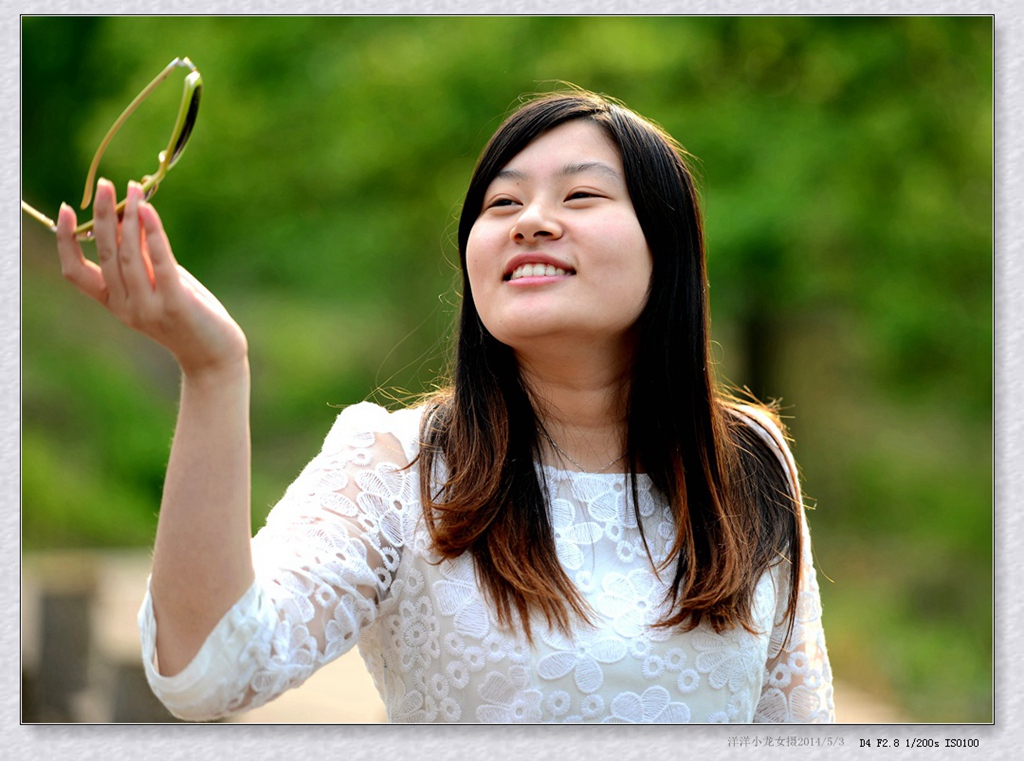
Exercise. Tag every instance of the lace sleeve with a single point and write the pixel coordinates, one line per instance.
(798, 677)
(325, 562)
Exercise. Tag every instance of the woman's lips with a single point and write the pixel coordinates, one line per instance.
(536, 270)
(535, 265)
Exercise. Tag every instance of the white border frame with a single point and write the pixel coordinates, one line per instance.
(352, 742)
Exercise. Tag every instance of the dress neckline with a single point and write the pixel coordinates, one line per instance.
(565, 474)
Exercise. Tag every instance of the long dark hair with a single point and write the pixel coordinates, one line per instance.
(734, 510)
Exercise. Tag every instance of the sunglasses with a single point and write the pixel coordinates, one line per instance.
(183, 125)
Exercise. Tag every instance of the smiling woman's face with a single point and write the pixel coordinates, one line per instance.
(557, 250)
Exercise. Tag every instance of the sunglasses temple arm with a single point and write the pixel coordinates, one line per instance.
(91, 177)
(38, 215)
(81, 232)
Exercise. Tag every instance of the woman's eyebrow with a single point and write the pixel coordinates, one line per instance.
(568, 170)
(600, 167)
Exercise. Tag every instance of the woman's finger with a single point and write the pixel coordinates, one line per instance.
(106, 229)
(82, 273)
(131, 254)
(158, 248)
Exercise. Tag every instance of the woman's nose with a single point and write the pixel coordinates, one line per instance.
(536, 222)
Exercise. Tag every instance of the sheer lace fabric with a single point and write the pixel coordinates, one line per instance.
(344, 559)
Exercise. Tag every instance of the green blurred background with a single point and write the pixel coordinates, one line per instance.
(846, 168)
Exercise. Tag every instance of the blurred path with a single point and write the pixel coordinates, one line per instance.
(110, 685)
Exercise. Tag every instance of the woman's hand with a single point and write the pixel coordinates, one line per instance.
(139, 281)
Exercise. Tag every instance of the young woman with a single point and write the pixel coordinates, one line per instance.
(583, 527)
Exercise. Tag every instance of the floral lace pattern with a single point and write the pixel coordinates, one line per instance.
(345, 559)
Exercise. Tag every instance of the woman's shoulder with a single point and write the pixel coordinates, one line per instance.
(367, 423)
(763, 420)
(767, 425)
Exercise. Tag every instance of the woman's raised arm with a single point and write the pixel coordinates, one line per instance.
(202, 561)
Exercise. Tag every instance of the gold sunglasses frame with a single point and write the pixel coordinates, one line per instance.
(183, 125)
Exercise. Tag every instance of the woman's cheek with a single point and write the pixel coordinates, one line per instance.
(483, 256)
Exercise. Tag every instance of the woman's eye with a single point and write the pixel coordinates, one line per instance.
(580, 194)
(497, 202)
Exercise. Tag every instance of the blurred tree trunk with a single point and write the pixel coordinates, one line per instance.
(760, 344)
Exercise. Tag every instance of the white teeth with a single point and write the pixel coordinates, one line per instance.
(536, 270)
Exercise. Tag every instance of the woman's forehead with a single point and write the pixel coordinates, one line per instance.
(571, 148)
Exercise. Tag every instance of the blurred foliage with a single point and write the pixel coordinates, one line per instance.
(846, 168)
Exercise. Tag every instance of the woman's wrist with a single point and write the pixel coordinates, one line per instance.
(222, 374)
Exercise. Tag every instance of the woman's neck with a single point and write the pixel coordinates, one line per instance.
(580, 401)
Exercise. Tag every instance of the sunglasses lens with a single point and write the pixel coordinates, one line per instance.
(187, 125)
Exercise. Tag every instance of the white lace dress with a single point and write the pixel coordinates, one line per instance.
(345, 558)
